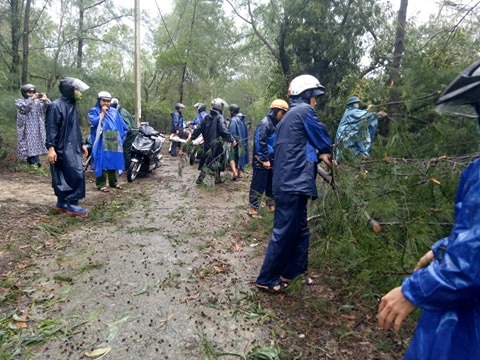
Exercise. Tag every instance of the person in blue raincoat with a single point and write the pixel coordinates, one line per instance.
(201, 113)
(263, 161)
(446, 281)
(177, 129)
(357, 130)
(65, 147)
(239, 131)
(301, 141)
(108, 131)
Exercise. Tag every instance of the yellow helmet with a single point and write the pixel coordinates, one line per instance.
(279, 104)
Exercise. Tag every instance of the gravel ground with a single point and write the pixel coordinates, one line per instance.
(170, 280)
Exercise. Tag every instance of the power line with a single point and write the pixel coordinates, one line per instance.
(166, 29)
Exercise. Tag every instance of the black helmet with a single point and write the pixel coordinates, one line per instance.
(234, 108)
(462, 96)
(26, 88)
(200, 107)
(179, 106)
(68, 85)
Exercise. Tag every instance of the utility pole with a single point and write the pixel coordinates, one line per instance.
(138, 88)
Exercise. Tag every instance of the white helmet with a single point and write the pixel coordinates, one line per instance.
(104, 95)
(219, 104)
(303, 83)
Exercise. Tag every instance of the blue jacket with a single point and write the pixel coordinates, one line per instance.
(198, 119)
(264, 140)
(300, 135)
(177, 122)
(448, 290)
(239, 131)
(356, 131)
(107, 150)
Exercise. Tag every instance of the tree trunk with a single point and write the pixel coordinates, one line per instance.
(26, 42)
(395, 65)
(16, 35)
(80, 40)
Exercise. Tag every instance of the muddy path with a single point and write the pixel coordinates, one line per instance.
(167, 281)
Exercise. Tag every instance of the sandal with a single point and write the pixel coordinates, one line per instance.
(103, 189)
(277, 288)
(254, 215)
(119, 187)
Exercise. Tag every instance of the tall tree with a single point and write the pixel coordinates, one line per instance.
(194, 49)
(26, 34)
(16, 35)
(322, 37)
(397, 57)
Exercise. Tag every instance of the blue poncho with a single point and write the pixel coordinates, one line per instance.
(356, 131)
(108, 147)
(448, 290)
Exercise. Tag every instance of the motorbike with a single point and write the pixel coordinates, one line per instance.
(145, 152)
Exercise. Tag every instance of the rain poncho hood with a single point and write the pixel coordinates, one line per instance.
(107, 140)
(356, 131)
(448, 290)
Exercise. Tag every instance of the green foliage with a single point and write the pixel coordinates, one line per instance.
(408, 186)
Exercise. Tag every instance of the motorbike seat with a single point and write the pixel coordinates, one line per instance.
(148, 131)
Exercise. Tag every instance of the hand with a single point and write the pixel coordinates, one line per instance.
(326, 158)
(84, 151)
(382, 114)
(425, 260)
(266, 164)
(393, 309)
(52, 155)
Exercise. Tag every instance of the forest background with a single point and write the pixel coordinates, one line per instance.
(247, 56)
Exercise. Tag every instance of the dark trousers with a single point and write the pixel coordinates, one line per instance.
(101, 181)
(33, 160)
(287, 251)
(261, 183)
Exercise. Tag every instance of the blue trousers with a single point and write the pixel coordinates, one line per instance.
(287, 251)
(261, 183)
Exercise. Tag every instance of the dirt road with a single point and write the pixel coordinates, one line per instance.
(170, 280)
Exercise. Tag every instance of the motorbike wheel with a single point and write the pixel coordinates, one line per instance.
(133, 170)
